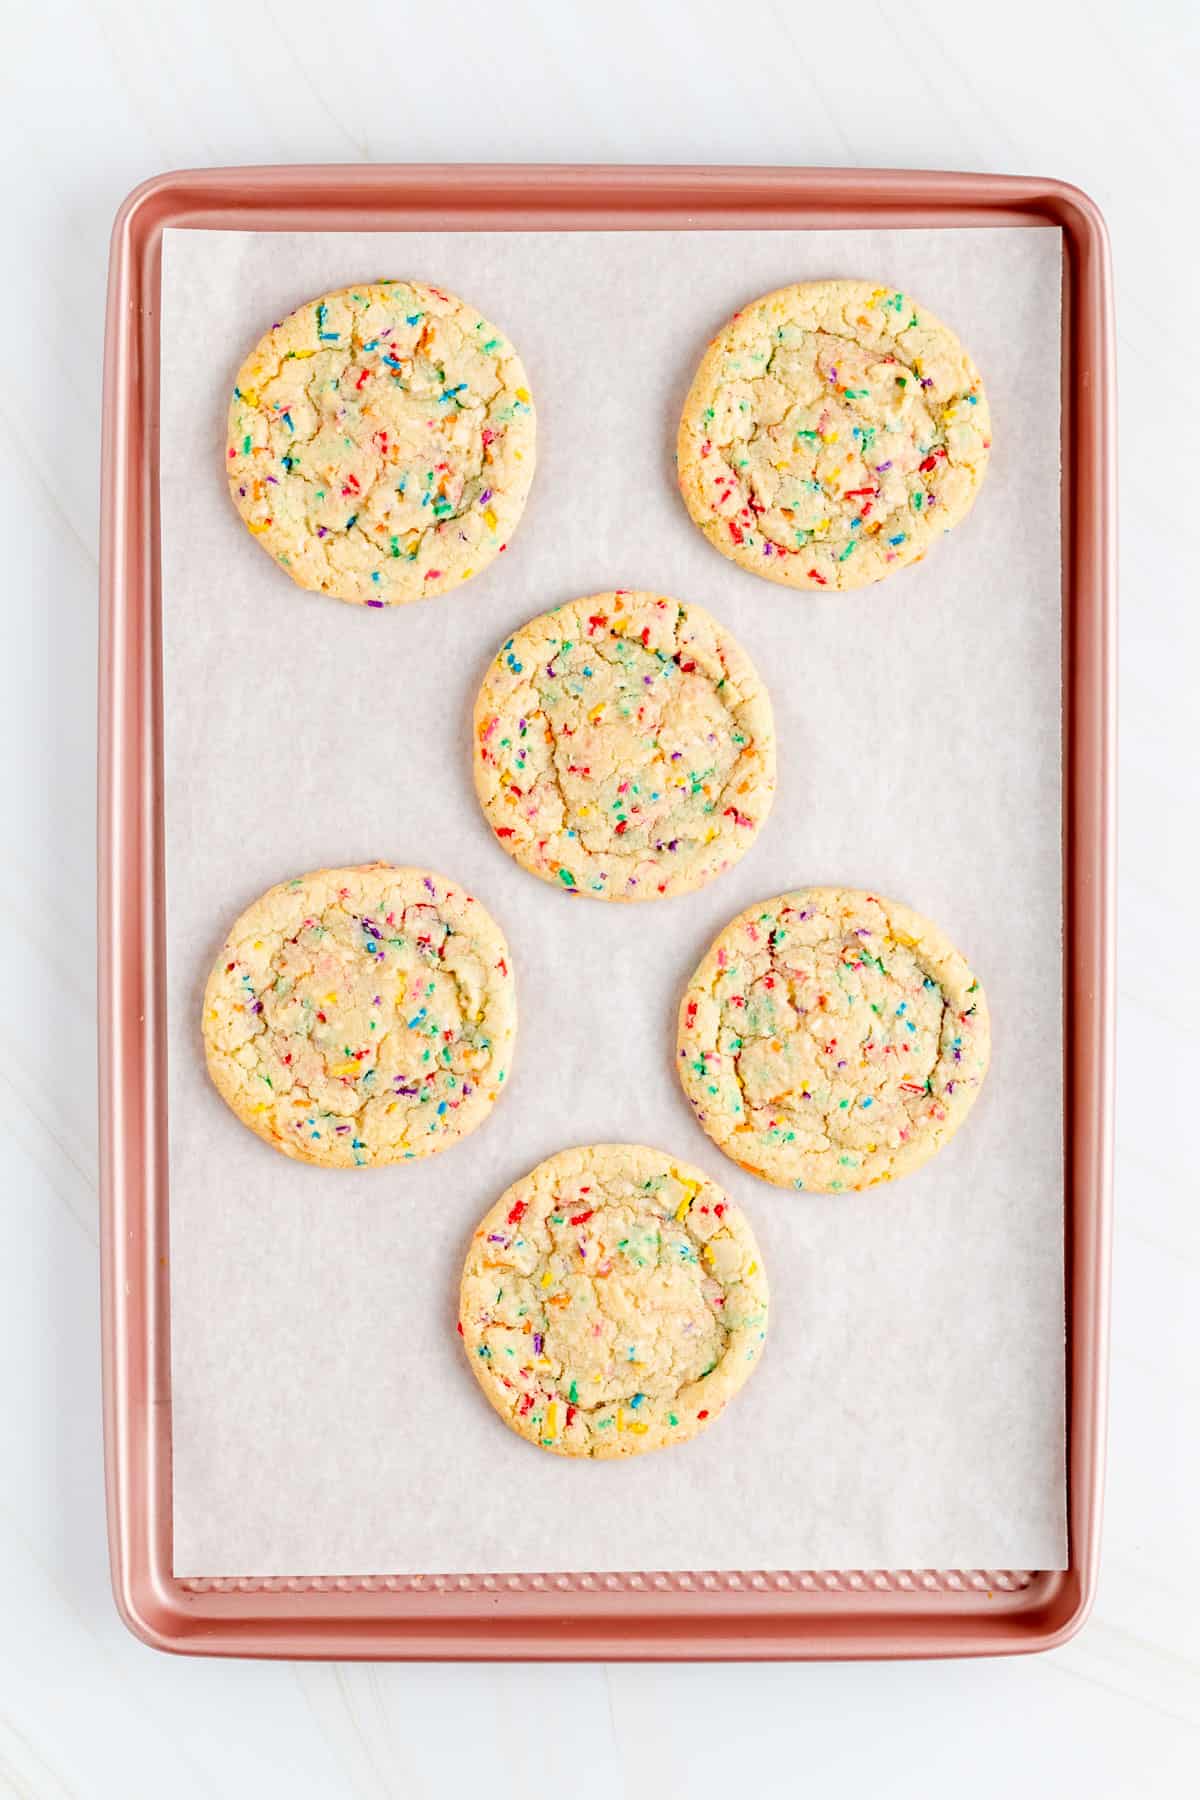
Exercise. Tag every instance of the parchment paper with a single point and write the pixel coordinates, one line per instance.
(908, 1411)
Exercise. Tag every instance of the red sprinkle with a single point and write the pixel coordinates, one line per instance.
(518, 1211)
(583, 1217)
(817, 577)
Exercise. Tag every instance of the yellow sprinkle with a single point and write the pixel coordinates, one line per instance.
(302, 355)
(489, 519)
(551, 1419)
(328, 997)
(596, 714)
(690, 1190)
(829, 437)
(250, 396)
(547, 1279)
(345, 1068)
(634, 1425)
(751, 1269)
(523, 394)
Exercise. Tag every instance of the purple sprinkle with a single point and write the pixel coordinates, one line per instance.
(862, 931)
(374, 602)
(551, 670)
(485, 496)
(648, 680)
(431, 887)
(322, 531)
(538, 1341)
(466, 1089)
(927, 381)
(242, 492)
(257, 1007)
(341, 1128)
(497, 1238)
(370, 929)
(404, 1090)
(833, 374)
(272, 480)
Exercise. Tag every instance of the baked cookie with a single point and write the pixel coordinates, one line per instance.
(381, 442)
(359, 1016)
(831, 1040)
(624, 747)
(612, 1301)
(833, 431)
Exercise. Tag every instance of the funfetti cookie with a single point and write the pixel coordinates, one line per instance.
(624, 747)
(381, 442)
(613, 1301)
(834, 432)
(831, 1039)
(361, 1016)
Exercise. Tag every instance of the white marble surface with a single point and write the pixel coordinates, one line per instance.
(100, 95)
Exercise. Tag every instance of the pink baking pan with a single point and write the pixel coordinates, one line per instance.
(769, 1613)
